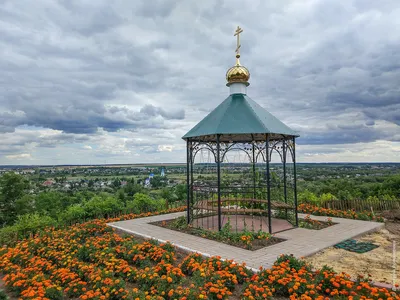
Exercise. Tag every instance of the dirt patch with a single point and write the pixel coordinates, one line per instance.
(394, 229)
(392, 215)
(378, 262)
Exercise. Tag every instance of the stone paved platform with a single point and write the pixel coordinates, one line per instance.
(299, 241)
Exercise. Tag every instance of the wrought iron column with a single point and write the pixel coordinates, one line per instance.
(191, 181)
(219, 183)
(284, 170)
(254, 169)
(295, 181)
(268, 186)
(284, 174)
(187, 181)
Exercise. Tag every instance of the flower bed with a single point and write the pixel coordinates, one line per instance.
(347, 214)
(310, 223)
(91, 261)
(294, 278)
(250, 240)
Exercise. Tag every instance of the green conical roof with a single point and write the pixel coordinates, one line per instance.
(238, 115)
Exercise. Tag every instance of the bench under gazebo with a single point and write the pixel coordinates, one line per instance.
(264, 196)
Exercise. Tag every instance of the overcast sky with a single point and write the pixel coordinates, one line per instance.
(93, 81)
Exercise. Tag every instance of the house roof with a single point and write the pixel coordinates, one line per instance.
(239, 116)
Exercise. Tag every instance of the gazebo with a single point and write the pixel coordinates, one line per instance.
(262, 196)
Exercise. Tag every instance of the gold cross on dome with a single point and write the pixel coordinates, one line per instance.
(237, 34)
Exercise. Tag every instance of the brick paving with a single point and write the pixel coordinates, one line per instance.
(299, 241)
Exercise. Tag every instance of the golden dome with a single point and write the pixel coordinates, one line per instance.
(238, 73)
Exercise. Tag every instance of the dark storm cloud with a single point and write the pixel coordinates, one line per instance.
(88, 118)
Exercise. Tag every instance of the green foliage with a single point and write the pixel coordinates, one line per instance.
(144, 203)
(327, 197)
(307, 196)
(362, 187)
(180, 223)
(25, 204)
(168, 194)
(50, 203)
(83, 196)
(131, 188)
(3, 295)
(33, 222)
(181, 191)
(226, 234)
(12, 187)
(73, 213)
(24, 225)
(294, 263)
(121, 196)
(158, 181)
(54, 294)
(8, 235)
(101, 206)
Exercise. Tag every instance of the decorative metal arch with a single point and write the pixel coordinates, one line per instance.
(281, 144)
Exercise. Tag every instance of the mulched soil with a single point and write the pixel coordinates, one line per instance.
(255, 245)
(317, 226)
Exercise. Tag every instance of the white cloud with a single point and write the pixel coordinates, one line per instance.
(167, 148)
(24, 156)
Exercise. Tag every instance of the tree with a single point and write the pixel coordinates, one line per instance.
(144, 203)
(131, 188)
(73, 213)
(121, 196)
(24, 205)
(307, 196)
(158, 181)
(181, 191)
(12, 187)
(168, 194)
(102, 206)
(327, 197)
(48, 203)
(116, 183)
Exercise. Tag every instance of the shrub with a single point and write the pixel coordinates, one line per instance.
(23, 226)
(101, 206)
(73, 213)
(33, 222)
(142, 203)
(8, 235)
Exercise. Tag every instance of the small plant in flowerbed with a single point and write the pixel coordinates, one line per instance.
(309, 223)
(251, 240)
(347, 214)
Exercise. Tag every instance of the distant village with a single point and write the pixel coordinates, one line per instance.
(110, 177)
